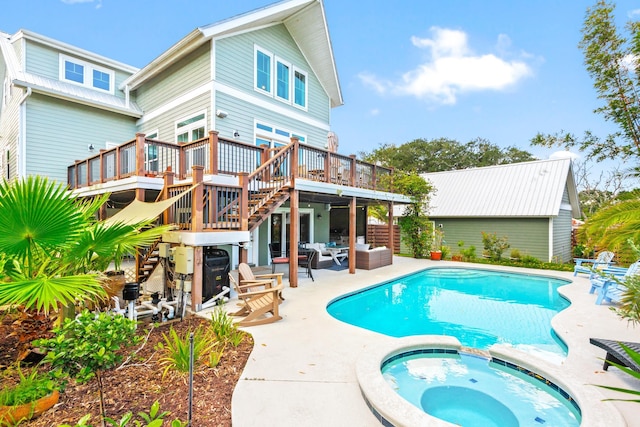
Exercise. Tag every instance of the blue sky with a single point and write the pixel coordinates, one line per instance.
(502, 70)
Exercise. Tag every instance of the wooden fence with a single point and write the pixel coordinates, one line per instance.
(378, 235)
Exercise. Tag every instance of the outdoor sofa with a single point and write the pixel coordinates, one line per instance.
(368, 259)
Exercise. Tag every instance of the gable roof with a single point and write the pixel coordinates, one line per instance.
(304, 19)
(527, 189)
(60, 89)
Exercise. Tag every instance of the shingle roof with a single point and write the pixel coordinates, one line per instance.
(527, 189)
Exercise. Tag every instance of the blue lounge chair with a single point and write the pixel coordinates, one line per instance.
(613, 288)
(585, 265)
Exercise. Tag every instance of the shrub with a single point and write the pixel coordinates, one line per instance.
(89, 343)
(494, 245)
(177, 352)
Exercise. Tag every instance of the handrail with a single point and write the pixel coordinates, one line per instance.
(148, 157)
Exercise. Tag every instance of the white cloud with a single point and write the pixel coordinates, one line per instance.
(374, 112)
(633, 13)
(564, 155)
(98, 2)
(453, 68)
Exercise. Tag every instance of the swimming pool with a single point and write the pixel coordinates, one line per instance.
(474, 391)
(478, 307)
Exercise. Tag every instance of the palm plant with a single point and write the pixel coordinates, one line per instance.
(53, 249)
(614, 225)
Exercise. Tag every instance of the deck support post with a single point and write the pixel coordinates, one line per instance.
(352, 236)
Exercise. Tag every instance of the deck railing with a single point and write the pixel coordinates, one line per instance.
(147, 157)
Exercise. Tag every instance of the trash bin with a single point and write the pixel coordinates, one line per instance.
(215, 272)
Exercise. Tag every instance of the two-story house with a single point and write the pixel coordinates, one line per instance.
(242, 106)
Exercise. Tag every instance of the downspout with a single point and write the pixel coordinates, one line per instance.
(22, 135)
(126, 96)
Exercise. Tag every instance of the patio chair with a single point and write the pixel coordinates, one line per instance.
(616, 354)
(613, 287)
(604, 259)
(255, 282)
(256, 305)
(275, 253)
(306, 259)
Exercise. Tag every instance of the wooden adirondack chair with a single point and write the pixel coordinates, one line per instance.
(256, 305)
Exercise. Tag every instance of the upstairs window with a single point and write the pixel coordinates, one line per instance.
(263, 71)
(78, 72)
(300, 89)
(280, 79)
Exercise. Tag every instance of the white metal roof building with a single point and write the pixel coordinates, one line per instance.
(531, 203)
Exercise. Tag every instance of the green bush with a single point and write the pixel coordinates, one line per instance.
(494, 245)
(88, 343)
(30, 388)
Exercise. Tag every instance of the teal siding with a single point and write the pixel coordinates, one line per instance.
(529, 235)
(241, 118)
(235, 67)
(165, 123)
(59, 132)
(42, 60)
(45, 61)
(189, 73)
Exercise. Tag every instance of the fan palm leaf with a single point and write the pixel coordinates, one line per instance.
(44, 290)
(37, 215)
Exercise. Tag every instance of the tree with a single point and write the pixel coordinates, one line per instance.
(612, 62)
(443, 154)
(52, 248)
(414, 223)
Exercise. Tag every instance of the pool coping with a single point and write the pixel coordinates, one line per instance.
(393, 410)
(302, 369)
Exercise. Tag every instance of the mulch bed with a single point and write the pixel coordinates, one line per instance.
(134, 386)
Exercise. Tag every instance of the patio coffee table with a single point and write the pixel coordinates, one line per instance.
(338, 253)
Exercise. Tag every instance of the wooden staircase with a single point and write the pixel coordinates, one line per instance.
(264, 203)
(147, 259)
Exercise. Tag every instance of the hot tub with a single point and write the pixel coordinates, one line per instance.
(460, 386)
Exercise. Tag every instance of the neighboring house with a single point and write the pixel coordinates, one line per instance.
(530, 203)
(243, 105)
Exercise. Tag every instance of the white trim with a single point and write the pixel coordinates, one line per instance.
(58, 45)
(212, 95)
(273, 136)
(87, 78)
(191, 126)
(21, 152)
(265, 52)
(304, 107)
(287, 64)
(550, 248)
(174, 103)
(285, 211)
(156, 131)
(264, 103)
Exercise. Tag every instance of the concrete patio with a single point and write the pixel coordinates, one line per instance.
(302, 369)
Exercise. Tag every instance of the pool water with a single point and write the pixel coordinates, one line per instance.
(478, 307)
(470, 391)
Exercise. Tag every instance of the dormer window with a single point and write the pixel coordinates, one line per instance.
(78, 72)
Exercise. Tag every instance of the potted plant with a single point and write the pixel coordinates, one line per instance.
(458, 255)
(31, 396)
(436, 244)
